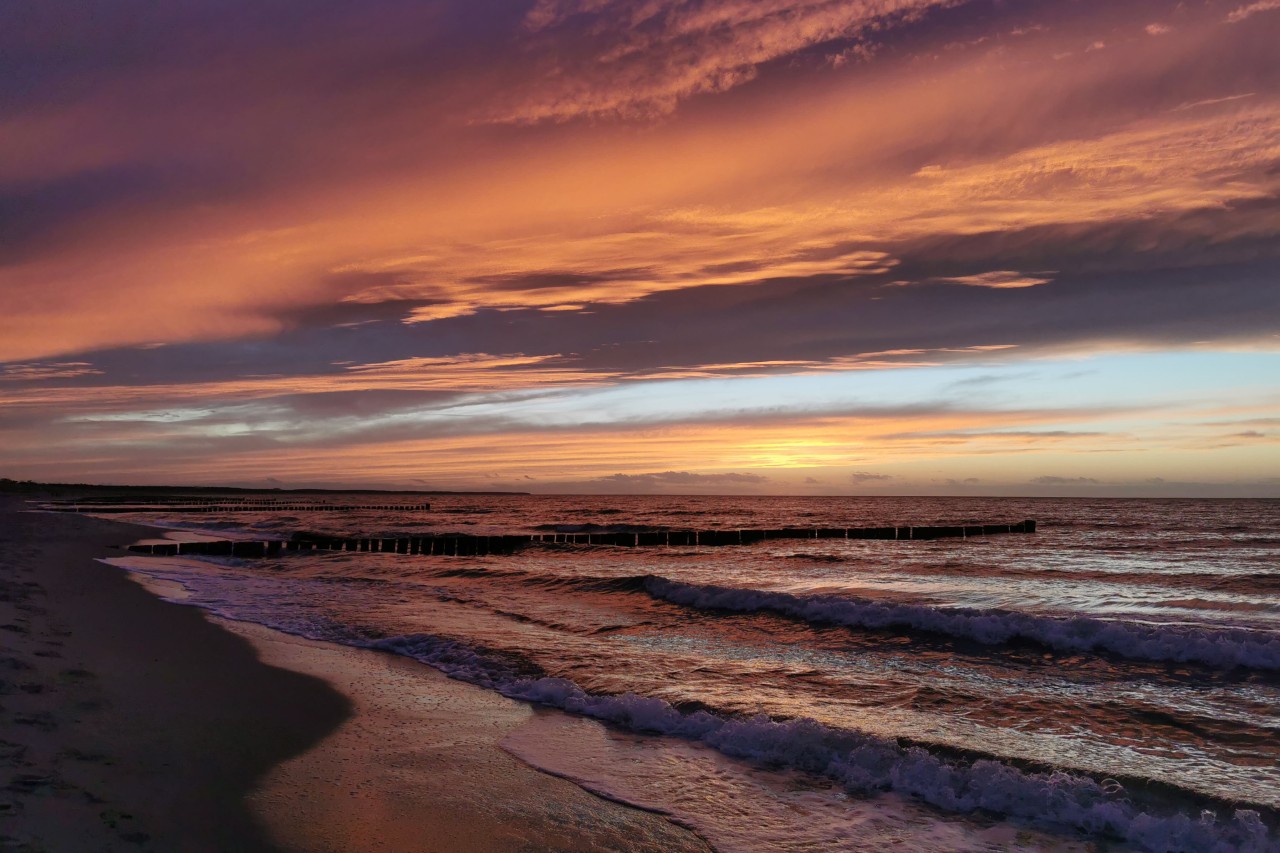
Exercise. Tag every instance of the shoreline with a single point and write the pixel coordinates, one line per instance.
(133, 723)
(420, 766)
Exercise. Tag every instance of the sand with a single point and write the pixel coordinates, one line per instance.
(418, 767)
(130, 723)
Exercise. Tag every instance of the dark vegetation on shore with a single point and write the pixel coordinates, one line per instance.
(30, 487)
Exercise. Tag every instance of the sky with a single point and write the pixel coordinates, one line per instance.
(970, 247)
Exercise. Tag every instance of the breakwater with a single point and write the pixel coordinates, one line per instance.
(463, 545)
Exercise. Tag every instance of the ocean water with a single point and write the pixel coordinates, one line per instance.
(1109, 682)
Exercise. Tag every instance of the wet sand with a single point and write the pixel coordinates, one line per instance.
(419, 767)
(129, 723)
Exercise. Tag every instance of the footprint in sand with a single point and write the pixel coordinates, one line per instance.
(33, 783)
(74, 754)
(43, 721)
(77, 675)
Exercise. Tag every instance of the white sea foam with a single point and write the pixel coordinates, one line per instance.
(1222, 648)
(865, 764)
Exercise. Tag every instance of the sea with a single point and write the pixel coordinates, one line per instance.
(1108, 682)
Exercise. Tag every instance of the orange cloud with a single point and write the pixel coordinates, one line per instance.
(999, 279)
(1250, 9)
(807, 185)
(643, 58)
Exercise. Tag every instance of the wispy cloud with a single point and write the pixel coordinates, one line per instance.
(1249, 10)
(664, 479)
(38, 372)
(1049, 480)
(629, 58)
(1209, 102)
(468, 372)
(999, 279)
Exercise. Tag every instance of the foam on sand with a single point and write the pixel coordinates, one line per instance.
(865, 764)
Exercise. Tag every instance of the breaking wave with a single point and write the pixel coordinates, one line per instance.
(864, 764)
(1221, 648)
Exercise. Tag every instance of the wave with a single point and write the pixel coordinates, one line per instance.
(818, 558)
(864, 764)
(591, 527)
(1255, 583)
(589, 583)
(1223, 648)
(1248, 583)
(1245, 583)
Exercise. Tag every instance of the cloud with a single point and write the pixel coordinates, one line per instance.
(573, 291)
(666, 480)
(1000, 279)
(789, 327)
(463, 373)
(1209, 102)
(673, 432)
(683, 477)
(1064, 481)
(537, 280)
(284, 204)
(977, 435)
(1249, 10)
(868, 477)
(629, 58)
(41, 372)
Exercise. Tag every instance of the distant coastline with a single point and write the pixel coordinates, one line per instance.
(8, 486)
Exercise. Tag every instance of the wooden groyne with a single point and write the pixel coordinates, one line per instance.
(465, 545)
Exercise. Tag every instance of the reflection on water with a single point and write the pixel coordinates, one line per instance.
(1126, 640)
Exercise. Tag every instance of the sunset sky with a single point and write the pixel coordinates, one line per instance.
(686, 246)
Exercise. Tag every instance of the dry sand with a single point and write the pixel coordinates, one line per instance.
(128, 723)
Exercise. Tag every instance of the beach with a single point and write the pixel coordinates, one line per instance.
(131, 723)
(632, 673)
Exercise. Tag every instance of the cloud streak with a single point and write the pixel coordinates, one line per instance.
(1248, 10)
(642, 58)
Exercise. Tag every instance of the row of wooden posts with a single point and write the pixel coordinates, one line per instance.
(461, 545)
